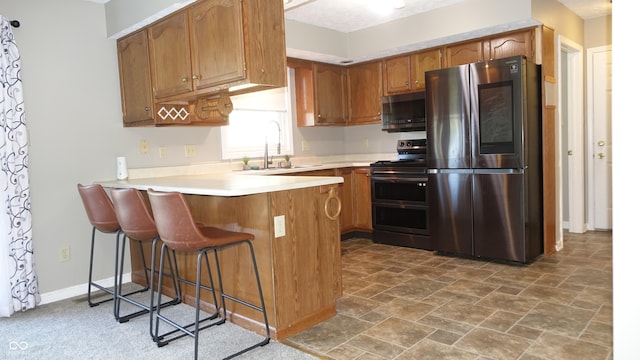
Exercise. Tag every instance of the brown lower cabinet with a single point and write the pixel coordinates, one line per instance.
(355, 197)
(361, 198)
(300, 272)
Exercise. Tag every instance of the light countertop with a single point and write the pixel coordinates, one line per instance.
(223, 180)
(229, 184)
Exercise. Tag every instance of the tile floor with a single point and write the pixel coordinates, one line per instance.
(401, 303)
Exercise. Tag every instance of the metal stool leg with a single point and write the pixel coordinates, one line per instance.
(260, 308)
(194, 328)
(146, 308)
(94, 284)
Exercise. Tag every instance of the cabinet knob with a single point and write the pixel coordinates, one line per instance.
(184, 79)
(417, 82)
(406, 83)
(195, 77)
(146, 108)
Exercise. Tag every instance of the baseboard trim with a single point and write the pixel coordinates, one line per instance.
(78, 290)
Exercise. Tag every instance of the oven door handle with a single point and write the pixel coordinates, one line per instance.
(400, 179)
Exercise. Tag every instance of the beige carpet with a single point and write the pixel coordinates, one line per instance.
(70, 329)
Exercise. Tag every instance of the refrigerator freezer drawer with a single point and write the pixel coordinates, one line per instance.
(450, 211)
(499, 216)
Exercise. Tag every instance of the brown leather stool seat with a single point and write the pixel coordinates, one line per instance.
(137, 224)
(102, 217)
(179, 233)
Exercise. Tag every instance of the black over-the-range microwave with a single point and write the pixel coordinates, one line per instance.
(403, 112)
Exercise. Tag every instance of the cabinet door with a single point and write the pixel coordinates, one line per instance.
(365, 91)
(362, 199)
(396, 75)
(135, 80)
(422, 62)
(520, 43)
(345, 192)
(217, 44)
(329, 94)
(463, 53)
(170, 56)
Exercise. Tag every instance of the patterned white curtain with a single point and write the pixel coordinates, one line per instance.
(18, 281)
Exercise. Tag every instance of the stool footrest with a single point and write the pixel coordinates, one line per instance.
(261, 343)
(100, 287)
(145, 308)
(185, 329)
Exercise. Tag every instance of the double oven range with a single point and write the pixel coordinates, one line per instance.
(399, 204)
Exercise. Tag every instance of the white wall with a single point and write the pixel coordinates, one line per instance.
(71, 98)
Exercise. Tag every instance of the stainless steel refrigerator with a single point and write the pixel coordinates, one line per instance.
(483, 124)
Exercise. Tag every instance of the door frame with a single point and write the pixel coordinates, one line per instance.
(574, 104)
(591, 191)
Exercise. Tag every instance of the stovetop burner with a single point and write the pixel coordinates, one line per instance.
(411, 153)
(400, 162)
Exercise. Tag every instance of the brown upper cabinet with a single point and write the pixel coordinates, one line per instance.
(320, 93)
(465, 53)
(405, 73)
(211, 47)
(518, 43)
(135, 80)
(170, 56)
(328, 94)
(501, 46)
(364, 92)
(216, 45)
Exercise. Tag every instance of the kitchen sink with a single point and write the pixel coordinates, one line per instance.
(286, 168)
(302, 166)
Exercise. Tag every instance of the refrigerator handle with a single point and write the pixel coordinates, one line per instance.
(449, 171)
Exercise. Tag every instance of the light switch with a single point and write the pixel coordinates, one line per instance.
(144, 147)
(278, 226)
(163, 152)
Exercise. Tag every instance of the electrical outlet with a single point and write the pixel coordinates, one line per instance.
(64, 253)
(144, 147)
(190, 151)
(278, 226)
(305, 145)
(163, 152)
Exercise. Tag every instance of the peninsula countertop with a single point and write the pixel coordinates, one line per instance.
(223, 184)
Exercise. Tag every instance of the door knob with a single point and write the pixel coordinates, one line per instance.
(600, 143)
(601, 155)
(570, 152)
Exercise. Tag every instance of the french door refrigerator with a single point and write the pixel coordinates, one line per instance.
(483, 125)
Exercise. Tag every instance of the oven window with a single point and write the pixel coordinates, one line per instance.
(405, 220)
(495, 102)
(396, 190)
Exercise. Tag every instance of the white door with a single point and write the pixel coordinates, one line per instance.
(600, 108)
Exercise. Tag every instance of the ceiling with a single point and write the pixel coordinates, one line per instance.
(352, 15)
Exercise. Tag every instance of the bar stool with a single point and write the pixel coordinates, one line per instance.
(179, 233)
(137, 224)
(102, 217)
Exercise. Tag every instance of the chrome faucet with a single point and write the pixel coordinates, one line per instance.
(266, 144)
